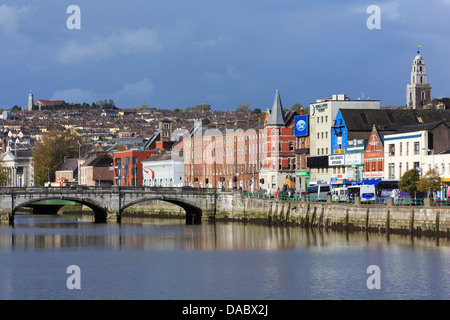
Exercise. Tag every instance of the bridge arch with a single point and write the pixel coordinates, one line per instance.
(193, 212)
(100, 213)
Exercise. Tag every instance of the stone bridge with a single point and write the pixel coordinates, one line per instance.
(109, 203)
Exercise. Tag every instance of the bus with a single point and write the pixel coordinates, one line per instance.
(386, 188)
(365, 192)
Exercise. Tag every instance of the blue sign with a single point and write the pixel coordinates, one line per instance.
(301, 126)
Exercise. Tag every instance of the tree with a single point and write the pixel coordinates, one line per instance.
(256, 111)
(3, 174)
(50, 151)
(244, 107)
(409, 180)
(203, 107)
(297, 107)
(430, 182)
(205, 121)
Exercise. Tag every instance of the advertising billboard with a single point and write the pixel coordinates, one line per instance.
(301, 126)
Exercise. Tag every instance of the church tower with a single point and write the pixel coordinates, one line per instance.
(30, 101)
(418, 92)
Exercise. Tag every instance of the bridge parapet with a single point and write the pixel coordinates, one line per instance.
(108, 203)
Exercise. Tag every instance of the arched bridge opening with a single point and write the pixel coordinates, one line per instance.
(42, 206)
(193, 213)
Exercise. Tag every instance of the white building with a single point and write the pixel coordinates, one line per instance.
(162, 171)
(417, 147)
(322, 114)
(20, 168)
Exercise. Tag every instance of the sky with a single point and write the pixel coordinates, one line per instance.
(177, 53)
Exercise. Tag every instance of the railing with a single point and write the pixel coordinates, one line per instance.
(408, 202)
(378, 201)
(441, 203)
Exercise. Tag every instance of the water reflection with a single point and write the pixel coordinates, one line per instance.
(58, 232)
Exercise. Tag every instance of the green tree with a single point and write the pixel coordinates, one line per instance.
(203, 107)
(256, 111)
(3, 174)
(205, 121)
(244, 107)
(16, 108)
(50, 151)
(297, 107)
(409, 180)
(430, 182)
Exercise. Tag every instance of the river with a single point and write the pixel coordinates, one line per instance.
(161, 259)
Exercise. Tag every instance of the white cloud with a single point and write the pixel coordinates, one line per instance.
(135, 91)
(123, 41)
(10, 19)
(76, 95)
(130, 95)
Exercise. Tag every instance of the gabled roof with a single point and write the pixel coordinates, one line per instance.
(277, 114)
(102, 160)
(420, 127)
(70, 164)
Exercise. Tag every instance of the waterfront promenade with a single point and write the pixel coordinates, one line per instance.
(424, 217)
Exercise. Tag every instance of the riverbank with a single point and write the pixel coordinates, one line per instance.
(417, 221)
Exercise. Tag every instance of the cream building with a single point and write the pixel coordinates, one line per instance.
(322, 115)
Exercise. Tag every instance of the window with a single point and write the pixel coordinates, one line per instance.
(134, 160)
(392, 149)
(416, 147)
(407, 148)
(291, 145)
(401, 147)
(391, 171)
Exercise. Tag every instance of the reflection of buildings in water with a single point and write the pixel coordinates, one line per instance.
(173, 234)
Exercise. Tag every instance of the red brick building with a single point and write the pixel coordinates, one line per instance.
(128, 163)
(279, 158)
(374, 156)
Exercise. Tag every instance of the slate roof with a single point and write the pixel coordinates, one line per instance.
(277, 113)
(420, 127)
(70, 164)
(384, 120)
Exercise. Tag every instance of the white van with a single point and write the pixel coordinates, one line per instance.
(318, 192)
(339, 194)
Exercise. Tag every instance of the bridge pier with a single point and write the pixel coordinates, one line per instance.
(112, 217)
(6, 218)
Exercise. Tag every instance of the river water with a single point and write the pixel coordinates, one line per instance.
(162, 259)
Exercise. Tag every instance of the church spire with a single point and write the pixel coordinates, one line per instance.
(418, 92)
(277, 114)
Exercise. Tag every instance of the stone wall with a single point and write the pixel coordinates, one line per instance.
(376, 218)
